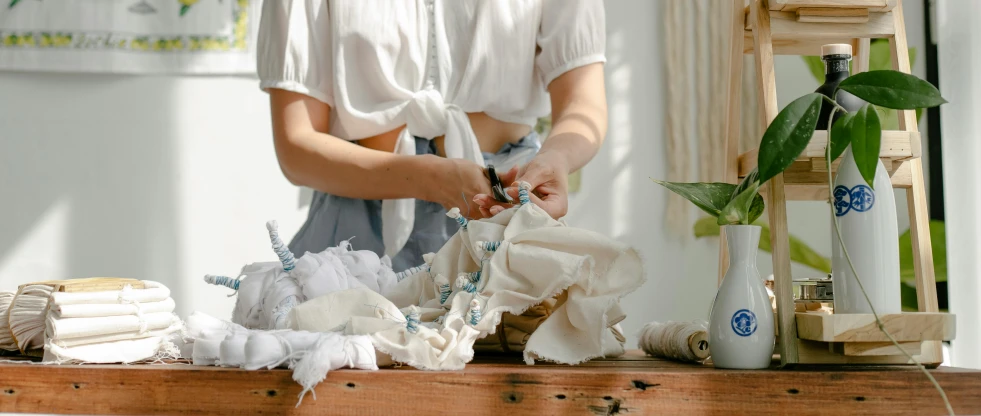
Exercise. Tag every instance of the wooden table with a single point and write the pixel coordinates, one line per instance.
(632, 385)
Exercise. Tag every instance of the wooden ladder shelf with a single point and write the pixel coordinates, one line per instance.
(801, 27)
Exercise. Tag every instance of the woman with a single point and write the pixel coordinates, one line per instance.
(391, 109)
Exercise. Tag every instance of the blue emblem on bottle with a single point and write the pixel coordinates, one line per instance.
(860, 198)
(744, 322)
(843, 200)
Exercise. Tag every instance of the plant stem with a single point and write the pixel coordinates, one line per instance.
(837, 106)
(841, 242)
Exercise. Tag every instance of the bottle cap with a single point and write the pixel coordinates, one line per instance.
(836, 49)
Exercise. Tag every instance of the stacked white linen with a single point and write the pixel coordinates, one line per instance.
(111, 326)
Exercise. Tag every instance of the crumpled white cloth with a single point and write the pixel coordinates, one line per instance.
(310, 354)
(267, 292)
(539, 258)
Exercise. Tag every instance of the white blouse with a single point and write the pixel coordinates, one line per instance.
(382, 64)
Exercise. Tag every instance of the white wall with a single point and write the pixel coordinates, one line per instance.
(169, 178)
(159, 178)
(959, 46)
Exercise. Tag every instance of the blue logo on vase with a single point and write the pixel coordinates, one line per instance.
(744, 322)
(860, 198)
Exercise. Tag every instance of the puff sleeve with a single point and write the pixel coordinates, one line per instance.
(572, 34)
(294, 50)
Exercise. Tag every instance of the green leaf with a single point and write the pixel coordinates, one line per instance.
(788, 135)
(893, 89)
(738, 210)
(184, 9)
(866, 137)
(756, 210)
(938, 238)
(840, 137)
(816, 66)
(710, 197)
(800, 252)
(13, 3)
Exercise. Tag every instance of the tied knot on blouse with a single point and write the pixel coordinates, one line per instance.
(427, 114)
(425, 64)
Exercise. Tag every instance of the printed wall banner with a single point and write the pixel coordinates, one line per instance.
(129, 36)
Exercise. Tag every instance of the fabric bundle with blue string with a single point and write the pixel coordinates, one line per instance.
(551, 290)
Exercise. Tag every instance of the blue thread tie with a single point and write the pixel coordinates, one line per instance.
(523, 189)
(465, 284)
(474, 312)
(455, 214)
(222, 281)
(444, 292)
(412, 319)
(473, 277)
(488, 245)
(406, 273)
(285, 256)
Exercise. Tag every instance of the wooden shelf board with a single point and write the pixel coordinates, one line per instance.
(633, 385)
(904, 327)
(872, 5)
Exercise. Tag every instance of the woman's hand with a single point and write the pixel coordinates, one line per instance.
(453, 182)
(548, 175)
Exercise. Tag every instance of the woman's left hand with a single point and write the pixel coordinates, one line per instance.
(548, 175)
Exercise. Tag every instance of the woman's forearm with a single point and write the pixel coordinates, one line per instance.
(310, 157)
(579, 116)
(338, 167)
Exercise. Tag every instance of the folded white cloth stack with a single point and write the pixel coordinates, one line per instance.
(118, 326)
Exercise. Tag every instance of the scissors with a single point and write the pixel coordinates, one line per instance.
(497, 186)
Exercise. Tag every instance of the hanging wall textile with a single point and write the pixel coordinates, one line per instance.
(129, 36)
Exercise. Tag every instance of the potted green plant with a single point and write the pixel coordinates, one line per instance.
(741, 326)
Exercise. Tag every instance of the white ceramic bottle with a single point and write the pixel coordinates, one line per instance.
(867, 218)
(741, 331)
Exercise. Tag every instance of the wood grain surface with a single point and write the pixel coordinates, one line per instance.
(634, 385)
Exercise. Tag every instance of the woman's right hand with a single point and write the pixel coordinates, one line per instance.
(453, 183)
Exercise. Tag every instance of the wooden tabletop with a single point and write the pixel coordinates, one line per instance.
(633, 384)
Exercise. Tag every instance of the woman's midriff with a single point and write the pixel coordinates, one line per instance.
(492, 134)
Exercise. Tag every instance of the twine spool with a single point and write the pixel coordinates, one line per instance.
(27, 315)
(6, 338)
(680, 341)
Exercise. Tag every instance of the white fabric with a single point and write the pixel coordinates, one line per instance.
(539, 259)
(425, 64)
(96, 310)
(267, 293)
(152, 292)
(119, 336)
(310, 354)
(27, 314)
(127, 351)
(86, 327)
(7, 341)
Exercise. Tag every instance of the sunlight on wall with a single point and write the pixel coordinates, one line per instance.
(41, 252)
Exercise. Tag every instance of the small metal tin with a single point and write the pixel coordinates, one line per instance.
(813, 290)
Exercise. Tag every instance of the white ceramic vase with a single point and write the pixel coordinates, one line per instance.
(868, 227)
(741, 323)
